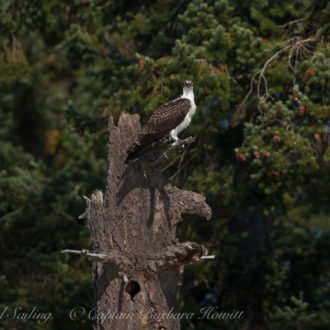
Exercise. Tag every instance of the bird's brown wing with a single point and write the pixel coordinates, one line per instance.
(164, 119)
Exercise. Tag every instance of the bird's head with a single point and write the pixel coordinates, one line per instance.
(188, 83)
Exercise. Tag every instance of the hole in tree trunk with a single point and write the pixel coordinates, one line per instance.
(132, 288)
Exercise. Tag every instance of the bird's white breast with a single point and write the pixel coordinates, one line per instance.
(187, 94)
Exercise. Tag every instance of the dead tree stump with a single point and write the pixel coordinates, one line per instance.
(137, 259)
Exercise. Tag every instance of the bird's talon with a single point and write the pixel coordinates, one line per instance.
(175, 143)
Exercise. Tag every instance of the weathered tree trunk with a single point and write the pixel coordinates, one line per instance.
(139, 261)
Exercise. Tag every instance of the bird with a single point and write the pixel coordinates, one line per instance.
(168, 120)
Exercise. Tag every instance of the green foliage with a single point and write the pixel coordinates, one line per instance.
(295, 314)
(261, 156)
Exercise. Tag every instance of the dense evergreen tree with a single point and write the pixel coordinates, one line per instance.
(261, 74)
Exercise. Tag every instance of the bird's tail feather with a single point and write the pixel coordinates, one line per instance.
(138, 150)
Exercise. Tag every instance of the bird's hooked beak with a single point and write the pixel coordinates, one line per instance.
(188, 83)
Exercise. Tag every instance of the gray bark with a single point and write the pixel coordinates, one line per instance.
(133, 228)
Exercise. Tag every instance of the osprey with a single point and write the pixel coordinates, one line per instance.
(168, 120)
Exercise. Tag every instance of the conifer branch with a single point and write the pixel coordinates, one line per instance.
(294, 45)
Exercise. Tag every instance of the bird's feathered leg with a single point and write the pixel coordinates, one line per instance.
(174, 137)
